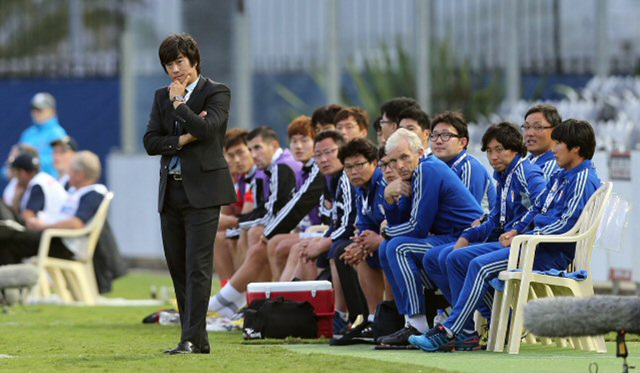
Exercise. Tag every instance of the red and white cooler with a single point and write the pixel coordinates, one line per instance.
(318, 293)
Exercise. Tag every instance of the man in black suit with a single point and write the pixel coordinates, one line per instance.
(194, 179)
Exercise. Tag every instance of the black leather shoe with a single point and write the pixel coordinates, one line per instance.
(185, 347)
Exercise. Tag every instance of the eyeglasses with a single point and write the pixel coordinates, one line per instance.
(355, 167)
(326, 153)
(383, 165)
(534, 128)
(445, 136)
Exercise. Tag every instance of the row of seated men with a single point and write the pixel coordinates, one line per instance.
(35, 201)
(418, 212)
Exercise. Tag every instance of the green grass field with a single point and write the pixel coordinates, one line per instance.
(69, 338)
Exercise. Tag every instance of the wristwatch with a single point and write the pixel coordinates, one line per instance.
(383, 233)
(178, 98)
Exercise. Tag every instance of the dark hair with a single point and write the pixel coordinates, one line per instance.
(174, 45)
(267, 134)
(574, 132)
(381, 152)
(301, 126)
(376, 124)
(415, 113)
(325, 114)
(393, 107)
(357, 147)
(331, 134)
(508, 135)
(454, 119)
(359, 114)
(235, 136)
(549, 112)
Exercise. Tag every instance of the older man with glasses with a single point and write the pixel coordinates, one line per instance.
(441, 208)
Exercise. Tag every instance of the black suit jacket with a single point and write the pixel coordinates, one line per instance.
(205, 173)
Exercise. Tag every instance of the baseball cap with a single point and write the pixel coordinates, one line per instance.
(27, 162)
(67, 142)
(43, 100)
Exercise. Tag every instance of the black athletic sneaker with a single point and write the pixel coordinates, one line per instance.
(467, 341)
(399, 338)
(362, 333)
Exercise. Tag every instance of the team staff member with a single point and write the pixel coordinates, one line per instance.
(558, 209)
(539, 122)
(519, 183)
(449, 141)
(441, 208)
(194, 179)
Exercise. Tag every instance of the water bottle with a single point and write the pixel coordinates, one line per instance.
(440, 317)
(154, 292)
(169, 318)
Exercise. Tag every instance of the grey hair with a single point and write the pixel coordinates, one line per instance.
(88, 163)
(415, 144)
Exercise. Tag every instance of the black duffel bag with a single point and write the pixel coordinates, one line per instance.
(279, 318)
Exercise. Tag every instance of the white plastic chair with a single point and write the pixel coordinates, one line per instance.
(75, 279)
(524, 284)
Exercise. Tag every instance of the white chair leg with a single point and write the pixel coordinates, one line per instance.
(517, 317)
(508, 295)
(495, 320)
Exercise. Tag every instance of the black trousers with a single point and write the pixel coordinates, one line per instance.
(18, 245)
(188, 234)
(353, 295)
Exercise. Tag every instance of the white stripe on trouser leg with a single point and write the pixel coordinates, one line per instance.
(476, 291)
(401, 253)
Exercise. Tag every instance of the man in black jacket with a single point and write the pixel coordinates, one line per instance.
(194, 179)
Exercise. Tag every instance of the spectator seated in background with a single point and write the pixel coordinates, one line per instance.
(74, 213)
(43, 195)
(12, 193)
(63, 151)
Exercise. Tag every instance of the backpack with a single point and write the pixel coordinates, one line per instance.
(279, 318)
(387, 319)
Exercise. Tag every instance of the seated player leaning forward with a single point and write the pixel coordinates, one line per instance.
(519, 183)
(79, 208)
(226, 256)
(311, 184)
(555, 211)
(307, 198)
(360, 157)
(441, 208)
